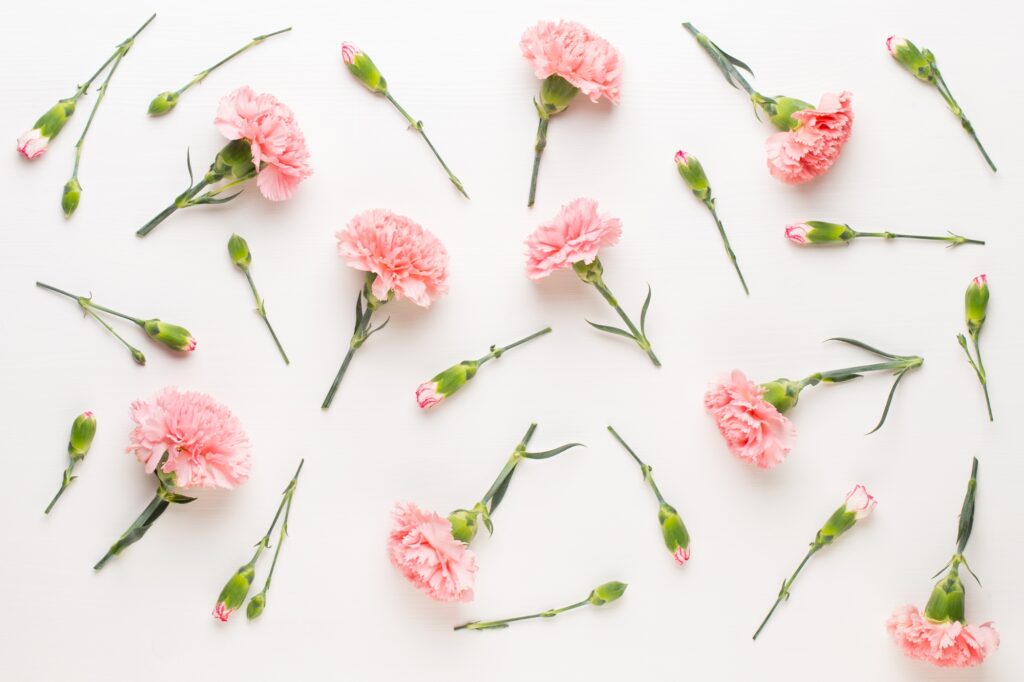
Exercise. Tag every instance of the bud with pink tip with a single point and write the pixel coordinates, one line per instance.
(819, 232)
(33, 143)
(363, 68)
(913, 59)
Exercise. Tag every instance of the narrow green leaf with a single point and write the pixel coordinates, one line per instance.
(643, 311)
(860, 344)
(374, 331)
(611, 330)
(499, 494)
(551, 453)
(888, 402)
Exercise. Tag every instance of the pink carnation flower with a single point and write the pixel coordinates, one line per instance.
(32, 144)
(576, 234)
(947, 645)
(423, 549)
(860, 502)
(205, 444)
(278, 146)
(753, 429)
(809, 150)
(407, 259)
(427, 395)
(571, 51)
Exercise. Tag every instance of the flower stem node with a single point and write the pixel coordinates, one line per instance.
(163, 103)
(607, 593)
(171, 335)
(782, 394)
(464, 522)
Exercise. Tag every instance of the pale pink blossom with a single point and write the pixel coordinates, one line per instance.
(947, 645)
(753, 428)
(407, 259)
(797, 233)
(570, 50)
(32, 144)
(681, 555)
(893, 43)
(204, 443)
(682, 158)
(427, 395)
(423, 549)
(349, 52)
(860, 502)
(980, 281)
(576, 234)
(278, 145)
(221, 612)
(192, 345)
(813, 146)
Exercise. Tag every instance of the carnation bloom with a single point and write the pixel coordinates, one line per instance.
(205, 444)
(753, 428)
(423, 549)
(278, 146)
(406, 259)
(427, 394)
(797, 233)
(32, 144)
(570, 50)
(576, 234)
(810, 149)
(947, 645)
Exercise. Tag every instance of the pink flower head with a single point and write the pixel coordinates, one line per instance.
(753, 428)
(221, 612)
(813, 146)
(980, 281)
(681, 555)
(893, 43)
(407, 259)
(278, 146)
(570, 50)
(204, 443)
(349, 52)
(860, 502)
(32, 144)
(576, 234)
(427, 395)
(423, 549)
(947, 645)
(682, 158)
(797, 233)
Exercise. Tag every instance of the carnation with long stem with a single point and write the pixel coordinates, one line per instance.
(166, 101)
(673, 530)
(83, 430)
(975, 312)
(362, 331)
(858, 505)
(241, 256)
(445, 383)
(72, 192)
(599, 596)
(171, 335)
(237, 588)
(821, 232)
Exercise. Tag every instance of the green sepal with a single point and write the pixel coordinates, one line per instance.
(171, 335)
(455, 377)
(556, 94)
(163, 103)
(841, 521)
(780, 111)
(607, 593)
(946, 603)
(70, 196)
(822, 232)
(50, 123)
(238, 249)
(256, 605)
(782, 394)
(363, 68)
(692, 173)
(916, 61)
(237, 587)
(672, 528)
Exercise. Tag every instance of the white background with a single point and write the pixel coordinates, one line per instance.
(338, 610)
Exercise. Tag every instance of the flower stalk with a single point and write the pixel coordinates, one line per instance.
(362, 330)
(241, 256)
(556, 94)
(166, 101)
(593, 273)
(822, 232)
(599, 596)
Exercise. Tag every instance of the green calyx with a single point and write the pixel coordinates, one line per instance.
(782, 394)
(556, 94)
(455, 377)
(780, 110)
(50, 123)
(163, 103)
(363, 68)
(83, 430)
(70, 197)
(171, 335)
(976, 304)
(238, 249)
(917, 62)
(692, 172)
(255, 607)
(606, 593)
(946, 603)
(673, 529)
(237, 588)
(233, 161)
(464, 522)
(591, 273)
(822, 232)
(841, 521)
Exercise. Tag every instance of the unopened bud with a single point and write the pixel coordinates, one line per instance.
(783, 109)
(432, 392)
(33, 143)
(363, 68)
(256, 605)
(976, 303)
(782, 394)
(858, 505)
(238, 249)
(692, 173)
(83, 429)
(171, 335)
(71, 196)
(913, 59)
(233, 595)
(677, 539)
(163, 103)
(819, 232)
(607, 593)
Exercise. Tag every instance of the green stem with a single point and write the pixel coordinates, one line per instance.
(63, 486)
(135, 532)
(645, 469)
(710, 203)
(494, 624)
(982, 374)
(538, 149)
(289, 493)
(203, 74)
(510, 465)
(953, 239)
(720, 58)
(86, 302)
(947, 95)
(359, 336)
(638, 336)
(262, 311)
(119, 54)
(784, 592)
(497, 351)
(137, 354)
(184, 200)
(893, 365)
(418, 127)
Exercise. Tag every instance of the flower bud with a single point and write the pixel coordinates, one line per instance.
(238, 249)
(858, 505)
(677, 539)
(607, 593)
(432, 392)
(907, 54)
(233, 595)
(71, 196)
(693, 174)
(83, 429)
(33, 143)
(363, 68)
(976, 303)
(163, 103)
(819, 232)
(138, 357)
(171, 335)
(556, 94)
(946, 603)
(255, 607)
(782, 394)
